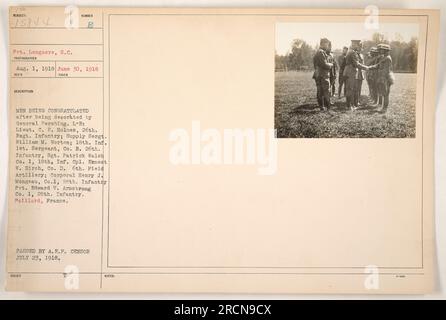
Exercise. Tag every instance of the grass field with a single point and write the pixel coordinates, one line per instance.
(298, 116)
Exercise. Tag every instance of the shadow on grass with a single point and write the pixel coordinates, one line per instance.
(338, 106)
(306, 108)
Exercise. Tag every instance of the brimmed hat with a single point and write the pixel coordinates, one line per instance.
(383, 46)
(374, 50)
(356, 42)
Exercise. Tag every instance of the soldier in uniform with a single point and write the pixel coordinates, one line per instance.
(384, 76)
(341, 64)
(354, 74)
(373, 57)
(321, 74)
(333, 72)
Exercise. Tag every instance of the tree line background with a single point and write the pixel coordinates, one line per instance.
(300, 57)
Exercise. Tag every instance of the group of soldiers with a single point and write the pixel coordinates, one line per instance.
(352, 70)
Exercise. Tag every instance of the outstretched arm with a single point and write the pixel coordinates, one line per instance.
(359, 65)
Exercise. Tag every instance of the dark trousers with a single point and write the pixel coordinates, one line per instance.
(323, 92)
(373, 89)
(350, 90)
(341, 84)
(333, 86)
(358, 89)
(384, 93)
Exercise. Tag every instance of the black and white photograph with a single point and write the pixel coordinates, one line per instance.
(220, 158)
(344, 80)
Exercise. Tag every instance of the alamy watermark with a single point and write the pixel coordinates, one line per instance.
(211, 146)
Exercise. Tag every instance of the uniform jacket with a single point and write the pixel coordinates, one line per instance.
(321, 65)
(385, 69)
(341, 63)
(333, 69)
(372, 73)
(354, 67)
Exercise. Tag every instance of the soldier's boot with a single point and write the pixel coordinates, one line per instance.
(328, 102)
(318, 95)
(322, 103)
(381, 104)
(385, 104)
(350, 104)
(378, 101)
(375, 98)
(356, 102)
(369, 84)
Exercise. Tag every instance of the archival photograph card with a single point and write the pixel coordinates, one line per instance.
(221, 150)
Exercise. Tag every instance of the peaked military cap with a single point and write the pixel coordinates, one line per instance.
(324, 40)
(356, 43)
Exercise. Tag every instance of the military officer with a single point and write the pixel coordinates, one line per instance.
(354, 74)
(333, 71)
(321, 74)
(371, 74)
(384, 76)
(341, 64)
